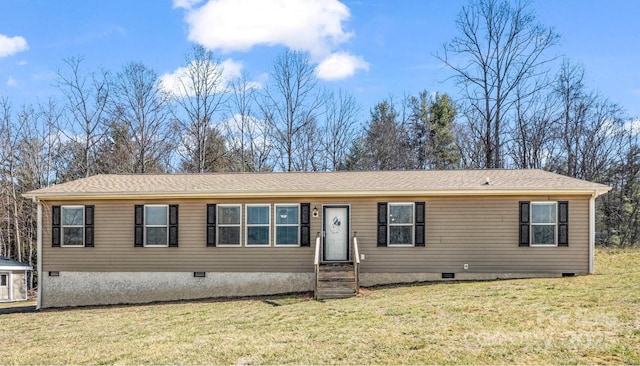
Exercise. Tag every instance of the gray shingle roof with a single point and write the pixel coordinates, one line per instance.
(355, 183)
(8, 263)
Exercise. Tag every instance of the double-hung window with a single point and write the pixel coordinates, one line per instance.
(156, 223)
(229, 218)
(258, 225)
(72, 226)
(544, 223)
(287, 218)
(401, 224)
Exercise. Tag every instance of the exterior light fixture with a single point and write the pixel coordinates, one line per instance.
(315, 211)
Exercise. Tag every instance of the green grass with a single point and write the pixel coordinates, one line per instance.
(581, 320)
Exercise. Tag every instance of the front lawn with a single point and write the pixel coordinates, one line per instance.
(586, 320)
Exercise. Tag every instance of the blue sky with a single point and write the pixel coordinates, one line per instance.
(372, 49)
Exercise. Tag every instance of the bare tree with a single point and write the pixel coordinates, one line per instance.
(590, 125)
(310, 153)
(534, 135)
(214, 154)
(341, 128)
(49, 117)
(290, 103)
(248, 137)
(7, 146)
(116, 152)
(140, 103)
(86, 96)
(618, 219)
(501, 47)
(35, 154)
(200, 94)
(13, 130)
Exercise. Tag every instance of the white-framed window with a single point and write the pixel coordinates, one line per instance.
(4, 282)
(258, 225)
(72, 225)
(400, 224)
(287, 218)
(229, 225)
(544, 223)
(156, 225)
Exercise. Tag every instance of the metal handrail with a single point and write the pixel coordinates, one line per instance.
(316, 263)
(356, 261)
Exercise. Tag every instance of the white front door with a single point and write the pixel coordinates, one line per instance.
(4, 286)
(336, 233)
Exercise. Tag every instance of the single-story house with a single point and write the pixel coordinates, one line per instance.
(13, 280)
(111, 239)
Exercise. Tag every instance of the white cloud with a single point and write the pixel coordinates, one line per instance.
(230, 70)
(340, 65)
(633, 126)
(314, 26)
(12, 81)
(185, 4)
(9, 46)
(22, 62)
(171, 82)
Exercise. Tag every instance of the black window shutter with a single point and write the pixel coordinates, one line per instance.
(563, 223)
(211, 225)
(88, 225)
(382, 224)
(139, 225)
(305, 225)
(173, 225)
(524, 223)
(419, 224)
(55, 226)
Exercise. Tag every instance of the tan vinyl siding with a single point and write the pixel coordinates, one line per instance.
(479, 231)
(114, 245)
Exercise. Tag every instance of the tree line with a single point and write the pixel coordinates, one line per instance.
(519, 107)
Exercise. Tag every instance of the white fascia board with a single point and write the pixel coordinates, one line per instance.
(16, 268)
(315, 194)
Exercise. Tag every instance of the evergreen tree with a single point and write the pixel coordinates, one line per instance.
(431, 132)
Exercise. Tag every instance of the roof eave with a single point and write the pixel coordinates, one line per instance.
(316, 194)
(16, 268)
